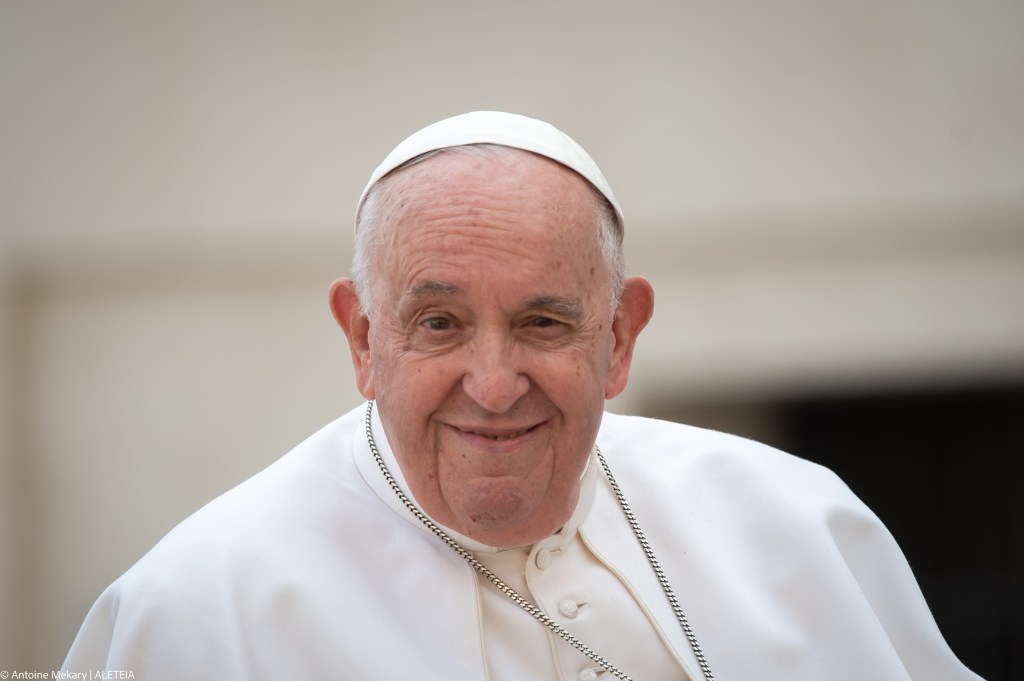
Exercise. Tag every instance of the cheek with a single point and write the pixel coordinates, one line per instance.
(578, 372)
(417, 385)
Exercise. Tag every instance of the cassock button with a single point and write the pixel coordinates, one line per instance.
(588, 675)
(569, 608)
(543, 558)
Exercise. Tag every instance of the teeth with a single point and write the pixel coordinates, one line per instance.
(500, 438)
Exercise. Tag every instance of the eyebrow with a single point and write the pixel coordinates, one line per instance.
(560, 305)
(429, 288)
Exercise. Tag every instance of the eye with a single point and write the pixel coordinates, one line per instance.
(437, 323)
(545, 327)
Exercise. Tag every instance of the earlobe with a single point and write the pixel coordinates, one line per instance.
(636, 306)
(348, 312)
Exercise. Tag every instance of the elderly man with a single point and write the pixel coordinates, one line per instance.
(481, 517)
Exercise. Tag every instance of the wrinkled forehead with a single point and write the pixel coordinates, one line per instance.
(504, 129)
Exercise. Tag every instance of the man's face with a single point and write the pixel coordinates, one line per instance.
(490, 340)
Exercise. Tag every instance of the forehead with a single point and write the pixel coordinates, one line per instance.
(477, 174)
(469, 214)
(468, 193)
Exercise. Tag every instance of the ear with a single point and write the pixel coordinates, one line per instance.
(634, 311)
(349, 314)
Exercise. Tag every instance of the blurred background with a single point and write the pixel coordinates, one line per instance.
(827, 196)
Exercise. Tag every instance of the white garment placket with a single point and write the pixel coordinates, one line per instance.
(580, 593)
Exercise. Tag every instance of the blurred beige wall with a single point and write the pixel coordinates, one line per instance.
(824, 194)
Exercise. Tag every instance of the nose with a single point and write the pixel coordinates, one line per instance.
(493, 377)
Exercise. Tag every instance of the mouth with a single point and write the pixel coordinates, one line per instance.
(500, 437)
(499, 434)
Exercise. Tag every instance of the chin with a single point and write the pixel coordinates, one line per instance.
(497, 508)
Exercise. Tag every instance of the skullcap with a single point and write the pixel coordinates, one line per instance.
(495, 127)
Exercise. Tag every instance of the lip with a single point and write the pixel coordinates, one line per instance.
(490, 437)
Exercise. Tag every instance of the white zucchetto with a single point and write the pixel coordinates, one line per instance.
(495, 127)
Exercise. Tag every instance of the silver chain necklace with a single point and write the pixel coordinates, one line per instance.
(533, 610)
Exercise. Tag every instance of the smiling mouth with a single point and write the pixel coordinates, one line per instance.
(502, 436)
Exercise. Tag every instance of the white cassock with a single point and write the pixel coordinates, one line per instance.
(313, 569)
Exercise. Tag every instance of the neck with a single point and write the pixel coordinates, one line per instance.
(497, 539)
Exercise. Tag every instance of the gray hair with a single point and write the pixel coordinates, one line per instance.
(368, 224)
